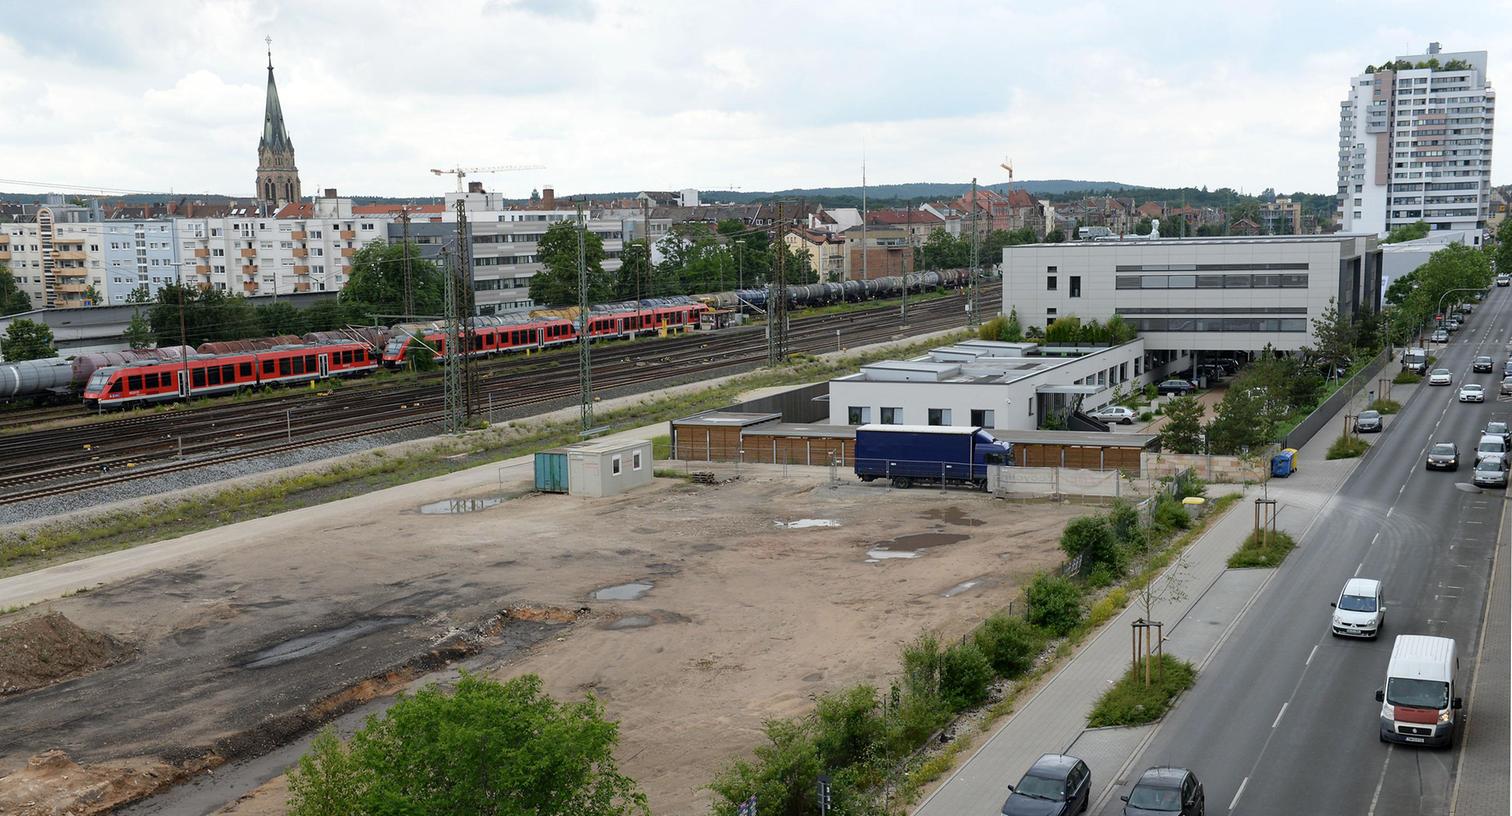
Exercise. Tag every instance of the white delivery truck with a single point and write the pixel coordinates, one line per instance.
(1418, 704)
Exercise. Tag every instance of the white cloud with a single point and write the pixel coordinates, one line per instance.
(624, 95)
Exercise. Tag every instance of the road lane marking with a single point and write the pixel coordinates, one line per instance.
(1309, 659)
(1376, 797)
(1362, 563)
(1280, 714)
(1238, 793)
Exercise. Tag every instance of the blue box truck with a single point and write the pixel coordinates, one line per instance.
(928, 454)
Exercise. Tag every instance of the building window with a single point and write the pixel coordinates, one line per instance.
(614, 465)
(1050, 282)
(1076, 286)
(635, 460)
(939, 416)
(982, 418)
(892, 416)
(858, 415)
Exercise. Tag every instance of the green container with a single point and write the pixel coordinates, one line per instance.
(551, 472)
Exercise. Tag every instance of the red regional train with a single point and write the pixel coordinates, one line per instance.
(546, 332)
(164, 380)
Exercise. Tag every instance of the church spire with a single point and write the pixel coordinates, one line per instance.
(277, 175)
(275, 137)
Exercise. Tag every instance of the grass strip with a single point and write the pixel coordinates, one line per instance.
(1132, 701)
(1262, 549)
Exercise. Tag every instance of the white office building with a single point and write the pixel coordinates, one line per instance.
(1235, 294)
(1415, 144)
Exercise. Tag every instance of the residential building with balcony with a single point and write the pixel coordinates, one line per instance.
(1415, 140)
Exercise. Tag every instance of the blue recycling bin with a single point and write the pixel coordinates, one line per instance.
(1281, 464)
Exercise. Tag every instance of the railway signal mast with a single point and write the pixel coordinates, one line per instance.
(777, 297)
(585, 356)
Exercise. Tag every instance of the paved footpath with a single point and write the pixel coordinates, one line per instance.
(1054, 719)
(1481, 782)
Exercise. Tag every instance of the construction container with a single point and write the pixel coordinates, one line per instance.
(551, 471)
(595, 469)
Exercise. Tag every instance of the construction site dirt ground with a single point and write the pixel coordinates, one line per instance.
(745, 600)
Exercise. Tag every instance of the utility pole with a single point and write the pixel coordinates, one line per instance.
(409, 286)
(739, 264)
(777, 300)
(451, 376)
(974, 305)
(863, 215)
(646, 225)
(904, 313)
(585, 363)
(464, 292)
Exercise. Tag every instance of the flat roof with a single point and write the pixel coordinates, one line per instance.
(798, 429)
(726, 419)
(601, 446)
(1086, 439)
(930, 429)
(1213, 241)
(1085, 390)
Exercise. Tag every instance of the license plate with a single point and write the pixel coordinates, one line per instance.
(1414, 739)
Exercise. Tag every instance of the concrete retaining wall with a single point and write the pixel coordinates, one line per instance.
(1208, 467)
(1325, 412)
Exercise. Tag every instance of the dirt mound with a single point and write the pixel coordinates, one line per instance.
(45, 649)
(52, 784)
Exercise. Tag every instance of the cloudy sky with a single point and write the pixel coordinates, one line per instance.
(658, 94)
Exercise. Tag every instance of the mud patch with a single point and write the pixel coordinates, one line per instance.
(952, 515)
(910, 546)
(47, 649)
(52, 783)
(298, 648)
(643, 621)
(453, 506)
(632, 591)
(546, 614)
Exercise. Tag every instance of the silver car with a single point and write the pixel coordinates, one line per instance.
(1114, 414)
(1490, 471)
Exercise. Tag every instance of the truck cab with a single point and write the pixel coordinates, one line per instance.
(1418, 703)
(928, 454)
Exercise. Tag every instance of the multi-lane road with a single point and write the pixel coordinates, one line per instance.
(1284, 720)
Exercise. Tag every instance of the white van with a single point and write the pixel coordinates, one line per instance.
(1418, 705)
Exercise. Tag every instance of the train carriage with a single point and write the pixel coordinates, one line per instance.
(207, 375)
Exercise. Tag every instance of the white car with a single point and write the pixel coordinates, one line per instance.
(1115, 413)
(1440, 336)
(1359, 612)
(1472, 392)
(1440, 376)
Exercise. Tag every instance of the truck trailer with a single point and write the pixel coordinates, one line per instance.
(928, 454)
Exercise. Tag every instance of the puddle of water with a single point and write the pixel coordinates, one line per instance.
(622, 592)
(632, 622)
(448, 506)
(805, 523)
(880, 553)
(1467, 487)
(952, 515)
(964, 586)
(316, 642)
(923, 541)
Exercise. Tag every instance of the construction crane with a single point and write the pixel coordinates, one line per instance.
(462, 172)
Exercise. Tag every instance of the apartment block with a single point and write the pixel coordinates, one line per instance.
(1415, 139)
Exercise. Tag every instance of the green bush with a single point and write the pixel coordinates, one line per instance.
(1262, 551)
(1146, 416)
(1188, 485)
(1347, 447)
(1386, 406)
(1405, 377)
(1104, 610)
(1054, 604)
(1010, 644)
(1131, 702)
(1100, 576)
(1124, 520)
(1091, 537)
(965, 676)
(1169, 513)
(848, 726)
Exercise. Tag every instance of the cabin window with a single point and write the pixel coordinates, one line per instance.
(285, 367)
(268, 367)
(197, 377)
(134, 382)
(151, 381)
(213, 373)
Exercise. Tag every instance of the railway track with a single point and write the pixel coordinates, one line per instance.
(63, 460)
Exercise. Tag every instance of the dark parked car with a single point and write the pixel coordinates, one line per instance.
(1482, 364)
(1164, 791)
(1443, 456)
(1178, 387)
(1501, 429)
(1368, 422)
(1056, 785)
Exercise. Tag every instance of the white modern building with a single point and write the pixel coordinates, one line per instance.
(1415, 144)
(1405, 257)
(1197, 294)
(1004, 386)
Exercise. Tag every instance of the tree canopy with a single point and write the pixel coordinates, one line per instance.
(557, 283)
(27, 340)
(12, 299)
(375, 284)
(489, 748)
(1182, 431)
(1409, 232)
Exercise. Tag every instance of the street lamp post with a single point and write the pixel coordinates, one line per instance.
(739, 263)
(178, 267)
(1440, 309)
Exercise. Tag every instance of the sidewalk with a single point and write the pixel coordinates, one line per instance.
(1481, 786)
(1053, 720)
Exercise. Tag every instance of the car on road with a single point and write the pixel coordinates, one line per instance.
(1440, 336)
(1055, 785)
(1368, 422)
(1440, 376)
(1443, 456)
(1498, 428)
(1176, 387)
(1491, 445)
(1421, 704)
(1165, 791)
(1504, 280)
(1115, 413)
(1490, 471)
(1506, 385)
(1359, 612)
(1472, 392)
(1482, 364)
